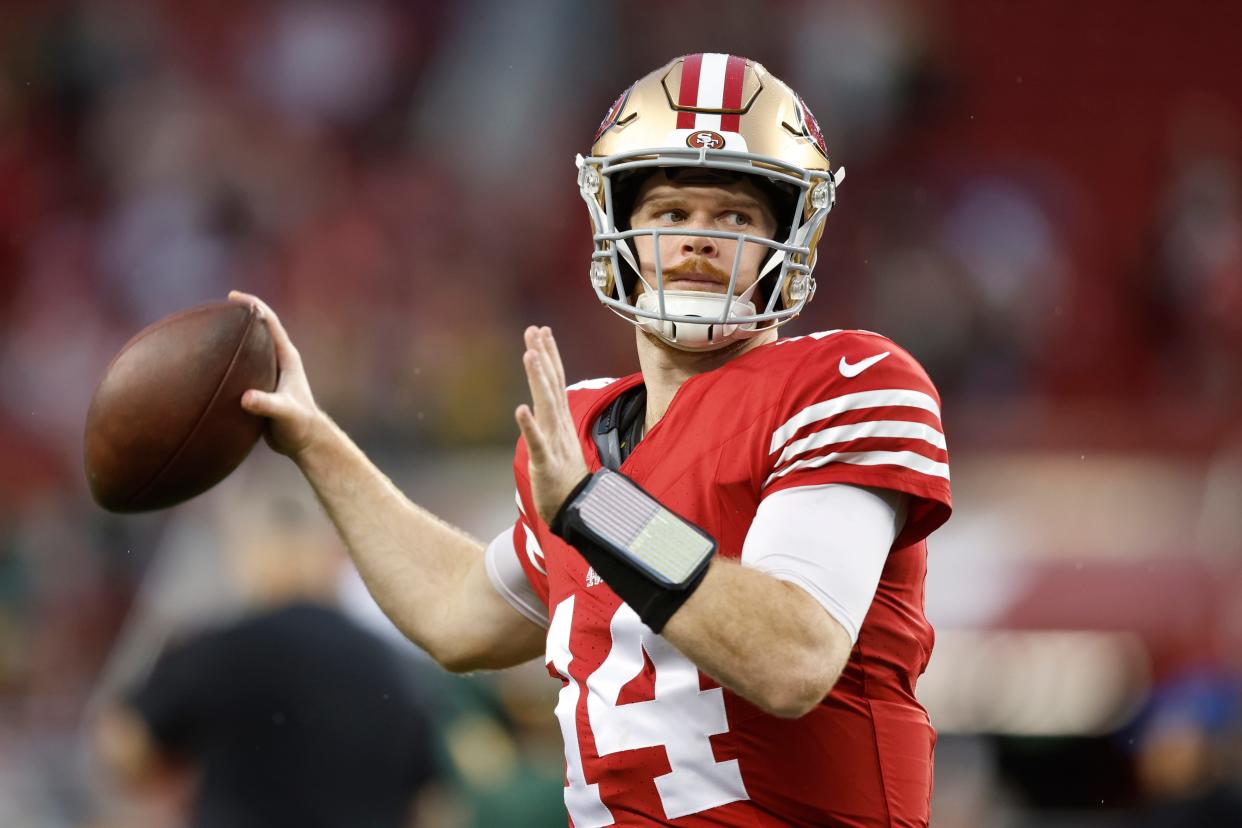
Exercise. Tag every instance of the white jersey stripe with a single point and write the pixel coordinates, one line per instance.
(533, 550)
(851, 402)
(908, 459)
(711, 90)
(859, 431)
(589, 384)
(816, 336)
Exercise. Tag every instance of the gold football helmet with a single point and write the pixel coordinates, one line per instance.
(728, 114)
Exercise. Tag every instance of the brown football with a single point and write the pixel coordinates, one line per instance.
(166, 421)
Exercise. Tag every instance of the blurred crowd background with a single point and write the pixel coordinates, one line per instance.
(1044, 205)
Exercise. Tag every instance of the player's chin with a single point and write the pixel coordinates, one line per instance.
(724, 352)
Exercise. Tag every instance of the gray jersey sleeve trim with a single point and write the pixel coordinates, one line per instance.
(506, 574)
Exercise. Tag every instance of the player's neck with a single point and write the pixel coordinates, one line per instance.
(665, 368)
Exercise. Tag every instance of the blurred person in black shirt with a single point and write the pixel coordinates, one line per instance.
(291, 715)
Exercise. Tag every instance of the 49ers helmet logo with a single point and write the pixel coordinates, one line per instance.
(705, 138)
(613, 112)
(810, 126)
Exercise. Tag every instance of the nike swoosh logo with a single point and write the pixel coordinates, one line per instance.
(853, 370)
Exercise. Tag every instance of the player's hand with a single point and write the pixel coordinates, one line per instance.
(556, 462)
(291, 411)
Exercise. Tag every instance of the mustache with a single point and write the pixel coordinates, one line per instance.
(697, 266)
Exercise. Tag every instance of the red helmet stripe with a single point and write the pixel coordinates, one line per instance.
(735, 76)
(688, 95)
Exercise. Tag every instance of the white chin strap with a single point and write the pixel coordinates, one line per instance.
(696, 336)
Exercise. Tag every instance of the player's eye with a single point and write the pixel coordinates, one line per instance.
(737, 219)
(671, 216)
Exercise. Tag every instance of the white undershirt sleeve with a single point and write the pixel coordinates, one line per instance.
(505, 572)
(830, 540)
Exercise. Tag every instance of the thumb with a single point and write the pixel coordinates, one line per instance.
(266, 404)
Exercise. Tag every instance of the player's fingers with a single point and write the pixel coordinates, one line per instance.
(554, 356)
(556, 367)
(537, 342)
(530, 433)
(541, 392)
(555, 416)
(265, 312)
(287, 355)
(548, 393)
(266, 404)
(530, 337)
(530, 364)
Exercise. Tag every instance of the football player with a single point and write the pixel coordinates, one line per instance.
(721, 556)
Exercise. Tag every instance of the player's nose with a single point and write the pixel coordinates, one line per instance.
(699, 246)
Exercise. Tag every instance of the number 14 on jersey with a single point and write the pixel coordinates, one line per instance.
(679, 717)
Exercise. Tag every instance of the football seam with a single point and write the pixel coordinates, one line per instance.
(202, 415)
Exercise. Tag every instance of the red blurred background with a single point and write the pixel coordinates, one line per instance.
(1044, 205)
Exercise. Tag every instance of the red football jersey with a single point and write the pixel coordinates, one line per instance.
(649, 739)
